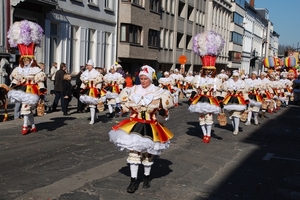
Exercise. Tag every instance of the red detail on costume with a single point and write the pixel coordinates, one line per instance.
(161, 133)
(145, 70)
(206, 139)
(208, 61)
(238, 95)
(26, 50)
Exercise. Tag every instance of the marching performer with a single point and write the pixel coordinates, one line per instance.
(113, 85)
(91, 89)
(27, 86)
(178, 85)
(187, 84)
(203, 101)
(266, 92)
(235, 100)
(142, 135)
(168, 83)
(255, 99)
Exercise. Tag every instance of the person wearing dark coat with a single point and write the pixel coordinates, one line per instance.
(67, 93)
(80, 105)
(58, 87)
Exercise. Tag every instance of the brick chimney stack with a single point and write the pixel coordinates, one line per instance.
(252, 3)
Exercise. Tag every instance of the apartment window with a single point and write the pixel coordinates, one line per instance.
(162, 38)
(53, 42)
(172, 6)
(154, 5)
(153, 38)
(181, 12)
(138, 2)
(107, 49)
(179, 43)
(73, 45)
(236, 38)
(93, 2)
(130, 33)
(171, 38)
(190, 13)
(239, 2)
(238, 19)
(91, 43)
(109, 4)
(189, 42)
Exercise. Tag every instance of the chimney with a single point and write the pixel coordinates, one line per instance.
(252, 3)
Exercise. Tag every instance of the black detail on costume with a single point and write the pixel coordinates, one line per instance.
(146, 181)
(233, 100)
(252, 96)
(143, 129)
(133, 186)
(162, 112)
(193, 94)
(220, 100)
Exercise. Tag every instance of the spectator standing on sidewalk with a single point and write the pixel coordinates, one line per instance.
(80, 105)
(67, 93)
(58, 87)
(53, 71)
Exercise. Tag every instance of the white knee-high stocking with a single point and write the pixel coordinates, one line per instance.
(134, 170)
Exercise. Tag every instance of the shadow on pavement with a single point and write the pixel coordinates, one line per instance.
(271, 171)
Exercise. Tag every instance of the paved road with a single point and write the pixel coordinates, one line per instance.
(69, 159)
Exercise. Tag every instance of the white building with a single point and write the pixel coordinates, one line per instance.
(75, 30)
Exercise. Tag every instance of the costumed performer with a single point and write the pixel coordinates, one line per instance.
(91, 89)
(187, 84)
(142, 135)
(27, 85)
(113, 85)
(235, 100)
(178, 85)
(255, 99)
(203, 100)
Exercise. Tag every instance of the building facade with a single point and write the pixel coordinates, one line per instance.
(138, 32)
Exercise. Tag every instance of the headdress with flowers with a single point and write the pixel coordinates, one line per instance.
(25, 35)
(208, 44)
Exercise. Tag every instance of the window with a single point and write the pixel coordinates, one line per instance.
(238, 19)
(171, 38)
(239, 2)
(153, 38)
(109, 4)
(130, 33)
(236, 38)
(188, 43)
(73, 45)
(91, 44)
(138, 2)
(179, 41)
(162, 37)
(93, 2)
(53, 42)
(181, 12)
(190, 13)
(107, 51)
(154, 5)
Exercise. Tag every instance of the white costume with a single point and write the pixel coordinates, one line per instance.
(91, 90)
(113, 86)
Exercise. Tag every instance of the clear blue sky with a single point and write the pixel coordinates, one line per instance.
(285, 16)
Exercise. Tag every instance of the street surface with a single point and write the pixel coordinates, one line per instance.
(69, 159)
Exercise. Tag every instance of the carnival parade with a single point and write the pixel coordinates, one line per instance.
(165, 99)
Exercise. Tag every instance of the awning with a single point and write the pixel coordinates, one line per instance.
(41, 2)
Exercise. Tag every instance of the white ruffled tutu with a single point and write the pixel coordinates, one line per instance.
(135, 142)
(204, 108)
(19, 96)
